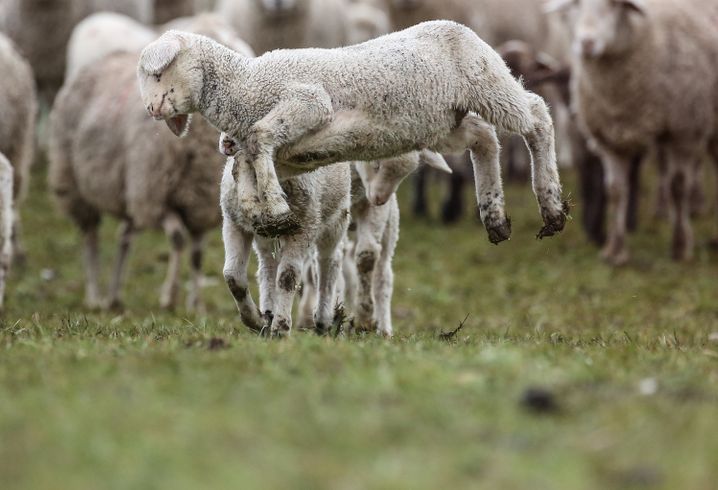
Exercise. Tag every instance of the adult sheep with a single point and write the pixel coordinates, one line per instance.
(303, 109)
(644, 80)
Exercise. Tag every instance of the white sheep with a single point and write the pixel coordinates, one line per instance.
(303, 109)
(18, 101)
(321, 201)
(106, 157)
(6, 221)
(644, 80)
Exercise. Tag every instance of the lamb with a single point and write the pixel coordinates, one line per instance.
(106, 157)
(6, 221)
(17, 127)
(304, 109)
(321, 202)
(638, 45)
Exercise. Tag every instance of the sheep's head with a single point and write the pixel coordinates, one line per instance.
(381, 178)
(168, 78)
(602, 27)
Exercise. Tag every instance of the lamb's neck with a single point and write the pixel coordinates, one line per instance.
(222, 70)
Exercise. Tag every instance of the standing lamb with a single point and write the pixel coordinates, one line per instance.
(304, 109)
(17, 127)
(6, 220)
(106, 157)
(321, 201)
(645, 80)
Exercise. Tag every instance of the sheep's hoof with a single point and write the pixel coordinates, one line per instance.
(553, 223)
(274, 226)
(498, 232)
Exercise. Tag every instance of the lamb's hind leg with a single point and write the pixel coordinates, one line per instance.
(480, 138)
(544, 172)
(237, 247)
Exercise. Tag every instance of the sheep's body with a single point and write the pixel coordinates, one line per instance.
(321, 201)
(17, 127)
(6, 222)
(644, 97)
(106, 157)
(410, 90)
(302, 24)
(41, 28)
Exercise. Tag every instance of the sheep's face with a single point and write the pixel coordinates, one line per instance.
(381, 178)
(603, 27)
(166, 79)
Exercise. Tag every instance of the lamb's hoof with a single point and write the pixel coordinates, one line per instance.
(498, 232)
(274, 226)
(553, 223)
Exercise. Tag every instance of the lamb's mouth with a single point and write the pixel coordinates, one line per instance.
(179, 124)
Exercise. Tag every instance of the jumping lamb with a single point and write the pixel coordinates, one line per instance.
(406, 91)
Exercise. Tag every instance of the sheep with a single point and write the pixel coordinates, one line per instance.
(303, 109)
(635, 90)
(18, 100)
(6, 221)
(321, 201)
(106, 157)
(41, 28)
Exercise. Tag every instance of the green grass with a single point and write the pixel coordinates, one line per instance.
(138, 400)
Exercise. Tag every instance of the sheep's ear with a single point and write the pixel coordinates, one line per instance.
(159, 54)
(638, 6)
(435, 160)
(551, 6)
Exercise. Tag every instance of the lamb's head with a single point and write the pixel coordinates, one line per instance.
(381, 178)
(170, 83)
(603, 28)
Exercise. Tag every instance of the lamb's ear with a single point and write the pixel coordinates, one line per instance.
(638, 6)
(159, 54)
(551, 6)
(435, 160)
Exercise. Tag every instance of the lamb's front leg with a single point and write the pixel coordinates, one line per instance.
(289, 272)
(304, 110)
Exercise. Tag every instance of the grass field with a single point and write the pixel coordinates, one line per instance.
(623, 365)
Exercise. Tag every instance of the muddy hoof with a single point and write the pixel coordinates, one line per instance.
(499, 232)
(274, 226)
(553, 224)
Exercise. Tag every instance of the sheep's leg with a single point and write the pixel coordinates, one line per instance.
(351, 276)
(680, 165)
(383, 280)
(371, 222)
(194, 300)
(124, 241)
(306, 110)
(617, 189)
(308, 301)
(544, 172)
(176, 233)
(288, 275)
(237, 247)
(480, 138)
(267, 250)
(329, 259)
(90, 256)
